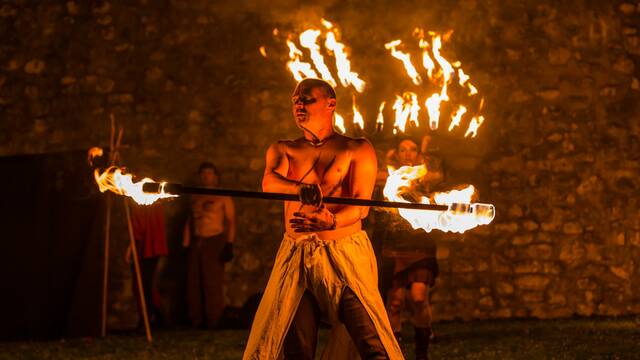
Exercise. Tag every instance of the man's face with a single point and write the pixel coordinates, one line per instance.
(407, 153)
(208, 177)
(310, 105)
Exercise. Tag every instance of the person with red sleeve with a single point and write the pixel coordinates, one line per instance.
(151, 243)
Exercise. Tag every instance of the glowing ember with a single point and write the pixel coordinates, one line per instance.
(114, 180)
(461, 216)
(358, 120)
(339, 123)
(406, 61)
(263, 51)
(308, 39)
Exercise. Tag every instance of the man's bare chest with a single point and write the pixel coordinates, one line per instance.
(206, 204)
(320, 167)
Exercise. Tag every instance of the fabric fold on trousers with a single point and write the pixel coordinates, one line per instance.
(325, 268)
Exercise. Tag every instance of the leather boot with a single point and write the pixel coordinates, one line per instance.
(422, 336)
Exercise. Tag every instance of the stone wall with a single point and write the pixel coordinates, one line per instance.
(558, 154)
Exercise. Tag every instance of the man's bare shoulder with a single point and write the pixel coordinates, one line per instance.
(284, 145)
(357, 144)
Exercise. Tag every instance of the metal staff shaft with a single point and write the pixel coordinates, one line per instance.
(173, 188)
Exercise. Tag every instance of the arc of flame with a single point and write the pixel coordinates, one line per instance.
(113, 179)
(299, 69)
(475, 123)
(406, 61)
(457, 117)
(308, 39)
(358, 120)
(346, 76)
(461, 216)
(380, 118)
(263, 51)
(339, 123)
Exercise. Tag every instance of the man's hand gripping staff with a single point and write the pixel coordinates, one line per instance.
(320, 219)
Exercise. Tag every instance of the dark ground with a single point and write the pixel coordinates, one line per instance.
(596, 338)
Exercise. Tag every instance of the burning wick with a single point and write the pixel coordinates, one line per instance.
(114, 180)
(461, 215)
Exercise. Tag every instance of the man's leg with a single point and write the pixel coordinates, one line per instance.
(302, 337)
(212, 276)
(359, 325)
(419, 295)
(194, 286)
(395, 304)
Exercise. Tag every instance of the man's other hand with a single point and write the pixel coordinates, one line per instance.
(318, 220)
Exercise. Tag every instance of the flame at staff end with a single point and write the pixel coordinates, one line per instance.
(114, 180)
(461, 216)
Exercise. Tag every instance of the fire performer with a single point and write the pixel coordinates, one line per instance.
(411, 252)
(209, 234)
(325, 267)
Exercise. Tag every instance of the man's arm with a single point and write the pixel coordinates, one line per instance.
(363, 170)
(275, 172)
(230, 218)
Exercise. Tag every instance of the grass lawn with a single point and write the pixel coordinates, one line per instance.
(596, 338)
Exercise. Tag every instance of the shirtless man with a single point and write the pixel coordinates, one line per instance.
(325, 267)
(209, 234)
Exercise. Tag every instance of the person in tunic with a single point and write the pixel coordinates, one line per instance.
(411, 252)
(325, 268)
(209, 235)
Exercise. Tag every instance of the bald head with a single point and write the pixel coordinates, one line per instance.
(308, 84)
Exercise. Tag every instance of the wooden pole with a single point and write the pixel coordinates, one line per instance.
(136, 266)
(105, 273)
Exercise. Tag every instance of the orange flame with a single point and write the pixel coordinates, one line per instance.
(358, 120)
(427, 62)
(339, 123)
(461, 216)
(380, 118)
(299, 69)
(346, 76)
(93, 153)
(457, 117)
(308, 39)
(402, 114)
(433, 109)
(406, 61)
(114, 180)
(475, 123)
